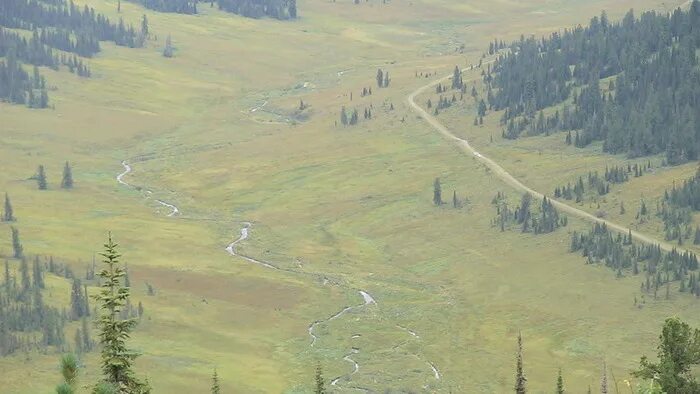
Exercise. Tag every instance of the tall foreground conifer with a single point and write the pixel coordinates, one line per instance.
(117, 359)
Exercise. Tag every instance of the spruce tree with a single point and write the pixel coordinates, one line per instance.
(67, 182)
(37, 274)
(24, 276)
(77, 302)
(87, 341)
(117, 359)
(17, 249)
(560, 383)
(320, 385)
(215, 387)
(520, 379)
(456, 78)
(41, 178)
(168, 50)
(8, 214)
(455, 201)
(604, 380)
(69, 370)
(343, 117)
(437, 192)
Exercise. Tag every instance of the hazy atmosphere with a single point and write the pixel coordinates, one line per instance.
(349, 196)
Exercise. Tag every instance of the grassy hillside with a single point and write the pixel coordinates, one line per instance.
(215, 130)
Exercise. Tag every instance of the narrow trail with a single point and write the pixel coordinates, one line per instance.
(127, 169)
(509, 179)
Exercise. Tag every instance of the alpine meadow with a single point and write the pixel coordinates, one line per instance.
(341, 196)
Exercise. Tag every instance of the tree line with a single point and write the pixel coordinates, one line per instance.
(278, 9)
(58, 28)
(598, 184)
(542, 219)
(621, 254)
(648, 106)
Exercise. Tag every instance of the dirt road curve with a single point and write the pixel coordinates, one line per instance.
(506, 177)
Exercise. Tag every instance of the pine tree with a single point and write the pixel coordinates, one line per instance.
(343, 117)
(117, 359)
(86, 340)
(437, 192)
(520, 379)
(604, 380)
(380, 78)
(17, 249)
(455, 201)
(168, 50)
(560, 383)
(37, 274)
(67, 182)
(320, 385)
(41, 178)
(622, 208)
(69, 370)
(215, 387)
(25, 277)
(456, 78)
(144, 26)
(77, 302)
(8, 215)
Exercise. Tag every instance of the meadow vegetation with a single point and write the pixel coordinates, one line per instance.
(242, 124)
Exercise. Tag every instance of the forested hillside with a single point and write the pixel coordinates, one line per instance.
(50, 33)
(278, 9)
(633, 84)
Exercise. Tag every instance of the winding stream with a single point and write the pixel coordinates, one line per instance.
(127, 169)
(244, 235)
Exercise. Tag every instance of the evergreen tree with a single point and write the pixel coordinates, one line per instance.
(67, 182)
(604, 380)
(380, 78)
(41, 178)
(455, 201)
(520, 379)
(25, 277)
(343, 117)
(117, 359)
(456, 78)
(437, 192)
(320, 385)
(86, 340)
(78, 304)
(168, 50)
(8, 214)
(144, 26)
(37, 274)
(215, 387)
(69, 370)
(560, 383)
(17, 249)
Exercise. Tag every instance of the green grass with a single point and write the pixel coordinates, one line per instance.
(351, 205)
